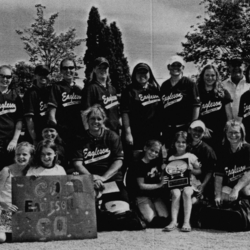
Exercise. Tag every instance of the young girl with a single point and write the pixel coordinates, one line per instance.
(149, 193)
(46, 157)
(179, 149)
(50, 133)
(23, 155)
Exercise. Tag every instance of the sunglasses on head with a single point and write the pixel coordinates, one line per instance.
(6, 76)
(69, 67)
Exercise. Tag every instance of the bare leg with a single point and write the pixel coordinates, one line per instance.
(161, 208)
(175, 206)
(187, 203)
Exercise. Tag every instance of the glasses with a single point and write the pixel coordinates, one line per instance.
(6, 76)
(66, 68)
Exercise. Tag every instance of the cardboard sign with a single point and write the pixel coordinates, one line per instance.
(178, 173)
(53, 208)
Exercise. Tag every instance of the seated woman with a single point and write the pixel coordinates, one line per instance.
(99, 152)
(232, 180)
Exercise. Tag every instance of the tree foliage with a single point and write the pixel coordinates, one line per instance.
(106, 41)
(222, 34)
(44, 45)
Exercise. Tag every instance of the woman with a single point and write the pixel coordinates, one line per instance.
(215, 104)
(233, 176)
(100, 91)
(64, 105)
(100, 154)
(140, 107)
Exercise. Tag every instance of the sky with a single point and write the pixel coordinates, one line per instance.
(152, 30)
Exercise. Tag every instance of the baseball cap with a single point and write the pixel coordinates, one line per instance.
(41, 70)
(100, 60)
(198, 123)
(142, 66)
(174, 59)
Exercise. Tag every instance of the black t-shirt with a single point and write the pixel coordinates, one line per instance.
(244, 112)
(233, 165)
(98, 153)
(67, 101)
(206, 157)
(11, 111)
(151, 172)
(94, 93)
(179, 101)
(212, 111)
(36, 105)
(143, 106)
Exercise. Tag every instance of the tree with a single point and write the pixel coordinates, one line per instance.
(106, 41)
(224, 33)
(44, 45)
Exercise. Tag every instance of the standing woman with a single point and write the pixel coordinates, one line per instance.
(140, 107)
(64, 105)
(215, 104)
(100, 91)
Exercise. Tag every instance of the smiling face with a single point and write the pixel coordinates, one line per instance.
(209, 78)
(5, 78)
(23, 156)
(142, 77)
(68, 70)
(180, 145)
(152, 152)
(42, 80)
(234, 135)
(49, 133)
(47, 157)
(176, 69)
(196, 134)
(95, 122)
(101, 71)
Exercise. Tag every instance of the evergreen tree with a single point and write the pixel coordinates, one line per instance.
(121, 75)
(224, 33)
(94, 31)
(106, 41)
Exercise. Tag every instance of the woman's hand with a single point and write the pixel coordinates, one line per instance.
(129, 139)
(218, 201)
(164, 180)
(233, 195)
(8, 206)
(12, 145)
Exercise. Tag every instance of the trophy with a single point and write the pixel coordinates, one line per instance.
(178, 173)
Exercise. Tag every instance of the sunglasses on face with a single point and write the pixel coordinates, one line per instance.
(6, 76)
(69, 67)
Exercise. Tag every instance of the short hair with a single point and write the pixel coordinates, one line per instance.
(233, 124)
(27, 145)
(151, 143)
(65, 60)
(96, 109)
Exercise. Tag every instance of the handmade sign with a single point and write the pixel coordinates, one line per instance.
(178, 173)
(53, 208)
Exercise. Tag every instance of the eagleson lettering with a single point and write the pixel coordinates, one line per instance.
(108, 99)
(7, 105)
(235, 170)
(171, 97)
(97, 152)
(148, 97)
(66, 97)
(211, 105)
(43, 106)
